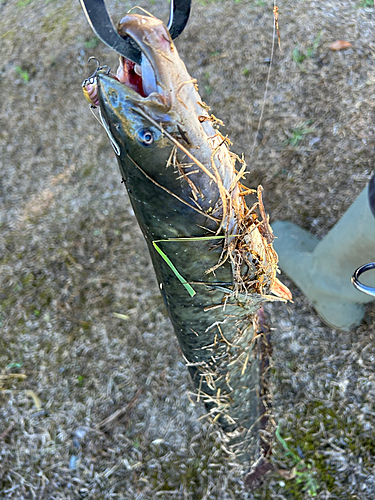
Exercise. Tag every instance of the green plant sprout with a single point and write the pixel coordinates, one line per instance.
(302, 470)
(23, 74)
(298, 133)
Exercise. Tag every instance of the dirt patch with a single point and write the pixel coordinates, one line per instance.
(81, 314)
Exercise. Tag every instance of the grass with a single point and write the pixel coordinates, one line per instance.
(23, 74)
(143, 351)
(297, 134)
(302, 472)
(363, 4)
(207, 87)
(307, 467)
(300, 56)
(13, 366)
(92, 43)
(188, 287)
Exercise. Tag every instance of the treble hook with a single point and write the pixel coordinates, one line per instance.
(91, 79)
(92, 58)
(100, 22)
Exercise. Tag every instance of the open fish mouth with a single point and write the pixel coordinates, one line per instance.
(140, 78)
(147, 79)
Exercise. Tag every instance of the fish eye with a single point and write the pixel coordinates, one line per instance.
(145, 137)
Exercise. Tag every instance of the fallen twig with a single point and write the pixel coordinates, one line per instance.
(117, 414)
(7, 431)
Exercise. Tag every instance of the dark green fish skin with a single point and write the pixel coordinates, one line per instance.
(216, 328)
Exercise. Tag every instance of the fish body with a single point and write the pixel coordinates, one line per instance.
(184, 186)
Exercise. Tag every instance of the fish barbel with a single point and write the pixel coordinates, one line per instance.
(212, 253)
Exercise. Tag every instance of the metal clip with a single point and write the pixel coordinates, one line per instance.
(360, 286)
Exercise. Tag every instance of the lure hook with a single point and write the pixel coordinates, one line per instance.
(92, 58)
(91, 79)
(90, 84)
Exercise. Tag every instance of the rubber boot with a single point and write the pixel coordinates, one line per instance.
(323, 269)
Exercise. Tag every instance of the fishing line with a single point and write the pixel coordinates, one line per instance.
(104, 124)
(114, 144)
(146, 11)
(275, 24)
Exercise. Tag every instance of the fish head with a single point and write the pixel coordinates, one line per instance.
(133, 134)
(161, 88)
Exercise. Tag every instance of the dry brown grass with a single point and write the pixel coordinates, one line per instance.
(71, 256)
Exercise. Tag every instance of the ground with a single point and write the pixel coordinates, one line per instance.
(84, 333)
